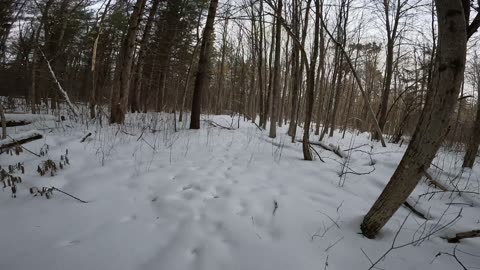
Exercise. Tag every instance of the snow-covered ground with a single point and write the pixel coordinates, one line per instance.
(219, 199)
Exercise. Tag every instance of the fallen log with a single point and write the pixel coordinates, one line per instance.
(19, 139)
(330, 147)
(336, 150)
(13, 123)
(463, 235)
(22, 119)
(215, 124)
(434, 183)
(85, 137)
(415, 211)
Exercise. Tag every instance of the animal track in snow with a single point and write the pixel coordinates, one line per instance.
(128, 218)
(69, 243)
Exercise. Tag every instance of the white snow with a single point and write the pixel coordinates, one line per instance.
(205, 199)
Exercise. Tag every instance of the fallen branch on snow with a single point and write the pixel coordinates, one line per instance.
(463, 235)
(330, 147)
(70, 195)
(435, 183)
(318, 155)
(415, 211)
(60, 88)
(85, 137)
(215, 124)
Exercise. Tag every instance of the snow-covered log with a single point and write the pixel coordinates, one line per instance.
(338, 151)
(463, 235)
(434, 182)
(17, 123)
(22, 119)
(19, 139)
(330, 147)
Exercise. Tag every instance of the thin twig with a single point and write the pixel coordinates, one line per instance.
(68, 194)
(23, 147)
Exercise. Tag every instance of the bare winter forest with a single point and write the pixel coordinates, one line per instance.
(240, 134)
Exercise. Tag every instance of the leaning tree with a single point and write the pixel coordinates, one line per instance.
(433, 125)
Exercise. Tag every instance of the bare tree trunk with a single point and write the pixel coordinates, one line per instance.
(276, 71)
(433, 124)
(307, 154)
(203, 63)
(3, 122)
(219, 107)
(299, 74)
(120, 95)
(285, 85)
(391, 27)
(187, 83)
(321, 83)
(93, 83)
(142, 54)
(295, 72)
(33, 92)
(474, 140)
(268, 103)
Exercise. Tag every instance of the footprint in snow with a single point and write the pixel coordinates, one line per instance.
(128, 218)
(69, 243)
(187, 187)
(188, 195)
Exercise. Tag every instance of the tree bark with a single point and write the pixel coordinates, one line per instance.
(120, 95)
(434, 122)
(474, 140)
(307, 153)
(203, 66)
(295, 72)
(276, 71)
(3, 121)
(392, 33)
(93, 63)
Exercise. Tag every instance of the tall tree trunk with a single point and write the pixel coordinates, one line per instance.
(93, 63)
(434, 122)
(142, 54)
(474, 140)
(299, 76)
(285, 85)
(391, 28)
(276, 71)
(220, 102)
(261, 72)
(120, 95)
(33, 89)
(307, 153)
(3, 122)
(187, 82)
(270, 71)
(321, 83)
(295, 71)
(203, 66)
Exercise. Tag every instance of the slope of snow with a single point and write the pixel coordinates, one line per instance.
(218, 199)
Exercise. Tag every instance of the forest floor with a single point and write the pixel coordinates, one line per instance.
(219, 199)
